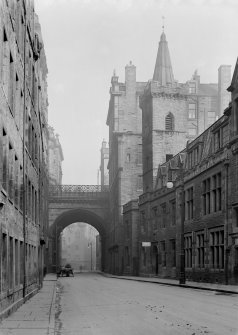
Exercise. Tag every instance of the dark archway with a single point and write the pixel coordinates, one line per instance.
(67, 218)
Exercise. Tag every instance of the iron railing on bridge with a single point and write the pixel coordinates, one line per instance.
(75, 191)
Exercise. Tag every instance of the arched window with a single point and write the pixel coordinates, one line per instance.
(169, 122)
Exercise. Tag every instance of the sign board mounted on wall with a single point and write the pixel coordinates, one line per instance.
(146, 244)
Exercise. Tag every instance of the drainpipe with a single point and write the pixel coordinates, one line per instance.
(24, 154)
(226, 233)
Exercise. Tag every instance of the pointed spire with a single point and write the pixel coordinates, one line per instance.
(163, 72)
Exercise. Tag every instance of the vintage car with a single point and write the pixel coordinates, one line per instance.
(66, 270)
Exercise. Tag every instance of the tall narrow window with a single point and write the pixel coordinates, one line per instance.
(200, 249)
(192, 111)
(188, 251)
(169, 122)
(206, 196)
(217, 248)
(189, 203)
(173, 252)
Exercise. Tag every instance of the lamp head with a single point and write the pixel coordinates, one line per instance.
(169, 184)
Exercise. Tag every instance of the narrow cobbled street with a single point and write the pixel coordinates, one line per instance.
(93, 304)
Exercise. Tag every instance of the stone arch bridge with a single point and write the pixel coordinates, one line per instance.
(76, 203)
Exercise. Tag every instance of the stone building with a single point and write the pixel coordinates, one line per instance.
(202, 179)
(55, 158)
(174, 113)
(23, 152)
(125, 155)
(148, 124)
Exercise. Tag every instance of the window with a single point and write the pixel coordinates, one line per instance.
(206, 196)
(173, 212)
(169, 122)
(163, 253)
(191, 111)
(217, 140)
(193, 157)
(173, 252)
(216, 192)
(188, 251)
(200, 250)
(189, 203)
(225, 135)
(211, 194)
(192, 88)
(128, 158)
(163, 214)
(139, 183)
(217, 248)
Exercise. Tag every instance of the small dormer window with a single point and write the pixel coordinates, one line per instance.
(169, 122)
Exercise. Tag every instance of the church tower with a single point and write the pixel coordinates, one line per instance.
(164, 116)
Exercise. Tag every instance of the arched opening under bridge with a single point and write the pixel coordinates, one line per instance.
(64, 220)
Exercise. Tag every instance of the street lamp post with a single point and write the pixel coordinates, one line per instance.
(182, 276)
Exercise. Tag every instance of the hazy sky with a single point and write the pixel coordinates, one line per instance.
(86, 39)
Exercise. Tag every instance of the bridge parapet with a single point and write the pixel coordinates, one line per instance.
(78, 192)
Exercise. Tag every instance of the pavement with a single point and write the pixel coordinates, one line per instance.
(233, 289)
(37, 315)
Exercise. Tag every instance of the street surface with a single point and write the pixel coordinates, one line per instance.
(91, 304)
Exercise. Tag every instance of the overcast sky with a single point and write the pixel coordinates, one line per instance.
(85, 40)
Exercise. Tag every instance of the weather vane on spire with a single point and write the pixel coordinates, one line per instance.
(163, 18)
